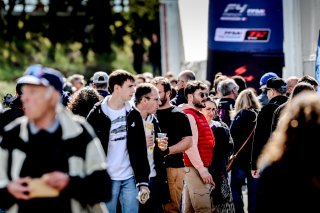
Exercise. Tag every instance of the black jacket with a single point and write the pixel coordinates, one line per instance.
(180, 98)
(136, 139)
(241, 127)
(264, 127)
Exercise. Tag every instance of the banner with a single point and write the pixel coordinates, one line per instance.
(245, 37)
(317, 74)
(245, 26)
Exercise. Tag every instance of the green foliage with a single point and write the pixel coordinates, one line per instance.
(148, 9)
(60, 43)
(67, 58)
(7, 88)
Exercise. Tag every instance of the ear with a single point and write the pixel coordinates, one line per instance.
(168, 94)
(189, 97)
(116, 87)
(54, 99)
(144, 100)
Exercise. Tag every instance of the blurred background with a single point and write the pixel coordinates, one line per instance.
(74, 36)
(235, 37)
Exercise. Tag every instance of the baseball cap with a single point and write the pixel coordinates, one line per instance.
(276, 83)
(100, 77)
(39, 75)
(266, 77)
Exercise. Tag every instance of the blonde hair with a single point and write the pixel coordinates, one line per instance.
(246, 100)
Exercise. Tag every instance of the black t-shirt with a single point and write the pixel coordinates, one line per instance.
(176, 124)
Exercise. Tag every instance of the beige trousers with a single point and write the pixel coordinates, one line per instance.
(175, 181)
(196, 194)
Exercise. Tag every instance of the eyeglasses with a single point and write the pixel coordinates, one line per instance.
(204, 95)
(149, 98)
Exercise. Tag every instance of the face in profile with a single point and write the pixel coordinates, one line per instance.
(153, 101)
(127, 90)
(199, 98)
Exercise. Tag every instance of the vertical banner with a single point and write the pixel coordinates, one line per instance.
(317, 74)
(245, 37)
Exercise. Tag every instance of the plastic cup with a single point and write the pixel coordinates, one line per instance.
(159, 138)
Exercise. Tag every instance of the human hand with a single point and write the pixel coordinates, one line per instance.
(144, 194)
(150, 140)
(57, 180)
(19, 188)
(207, 178)
(255, 173)
(162, 143)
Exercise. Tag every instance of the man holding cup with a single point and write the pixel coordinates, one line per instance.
(175, 123)
(147, 102)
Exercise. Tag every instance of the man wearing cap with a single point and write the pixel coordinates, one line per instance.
(51, 160)
(263, 84)
(100, 83)
(276, 91)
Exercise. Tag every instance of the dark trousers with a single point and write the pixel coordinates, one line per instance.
(153, 205)
(239, 177)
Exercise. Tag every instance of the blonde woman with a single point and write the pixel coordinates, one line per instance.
(244, 120)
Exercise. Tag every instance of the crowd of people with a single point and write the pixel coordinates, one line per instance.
(129, 143)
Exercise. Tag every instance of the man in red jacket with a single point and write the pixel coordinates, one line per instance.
(198, 182)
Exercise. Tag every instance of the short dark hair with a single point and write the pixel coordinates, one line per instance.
(241, 82)
(192, 86)
(142, 90)
(163, 81)
(118, 77)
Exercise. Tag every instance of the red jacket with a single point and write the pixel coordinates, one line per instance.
(205, 138)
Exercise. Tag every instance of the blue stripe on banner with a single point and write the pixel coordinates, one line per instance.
(317, 71)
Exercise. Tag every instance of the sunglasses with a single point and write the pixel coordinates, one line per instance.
(204, 95)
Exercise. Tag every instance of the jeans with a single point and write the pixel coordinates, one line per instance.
(238, 178)
(126, 191)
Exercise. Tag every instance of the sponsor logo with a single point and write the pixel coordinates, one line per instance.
(240, 12)
(256, 12)
(241, 35)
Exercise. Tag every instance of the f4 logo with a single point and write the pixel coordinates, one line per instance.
(235, 8)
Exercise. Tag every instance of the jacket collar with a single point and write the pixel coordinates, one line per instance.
(69, 127)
